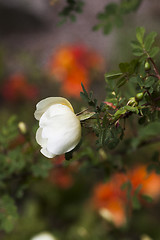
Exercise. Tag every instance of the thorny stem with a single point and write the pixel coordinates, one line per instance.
(154, 67)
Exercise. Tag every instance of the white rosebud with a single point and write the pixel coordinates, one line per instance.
(59, 128)
(44, 236)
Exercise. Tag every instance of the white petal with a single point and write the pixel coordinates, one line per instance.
(56, 110)
(41, 141)
(44, 104)
(44, 236)
(46, 153)
(62, 128)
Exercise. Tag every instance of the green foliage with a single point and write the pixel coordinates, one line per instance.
(8, 213)
(19, 166)
(143, 46)
(72, 7)
(114, 13)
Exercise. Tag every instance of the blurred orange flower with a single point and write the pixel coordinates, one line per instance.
(109, 196)
(71, 65)
(111, 200)
(150, 181)
(17, 88)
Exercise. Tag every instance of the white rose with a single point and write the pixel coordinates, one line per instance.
(59, 128)
(44, 236)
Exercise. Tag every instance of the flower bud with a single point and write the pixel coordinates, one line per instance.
(147, 66)
(139, 96)
(132, 102)
(22, 127)
(59, 128)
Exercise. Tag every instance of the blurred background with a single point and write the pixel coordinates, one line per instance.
(40, 57)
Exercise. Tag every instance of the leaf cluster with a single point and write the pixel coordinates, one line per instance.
(20, 165)
(72, 7)
(114, 13)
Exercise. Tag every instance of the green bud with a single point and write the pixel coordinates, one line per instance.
(147, 66)
(132, 102)
(139, 96)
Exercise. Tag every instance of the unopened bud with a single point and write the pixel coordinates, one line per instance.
(132, 102)
(139, 96)
(147, 66)
(22, 127)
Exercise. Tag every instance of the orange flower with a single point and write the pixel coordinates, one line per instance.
(111, 200)
(71, 66)
(17, 88)
(150, 181)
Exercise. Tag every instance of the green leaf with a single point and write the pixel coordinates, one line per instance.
(140, 34)
(120, 112)
(154, 51)
(107, 28)
(124, 67)
(132, 109)
(135, 202)
(111, 9)
(84, 90)
(85, 115)
(137, 80)
(136, 45)
(149, 40)
(149, 82)
(96, 27)
(121, 82)
(112, 75)
(128, 6)
(137, 52)
(147, 198)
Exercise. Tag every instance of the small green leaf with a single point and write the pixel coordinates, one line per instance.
(137, 52)
(135, 202)
(120, 112)
(124, 67)
(149, 40)
(147, 198)
(132, 109)
(112, 75)
(140, 34)
(135, 45)
(85, 115)
(96, 27)
(137, 80)
(154, 51)
(107, 28)
(121, 82)
(149, 82)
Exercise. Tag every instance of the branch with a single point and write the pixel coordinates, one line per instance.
(154, 67)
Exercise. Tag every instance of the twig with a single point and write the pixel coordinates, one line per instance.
(154, 67)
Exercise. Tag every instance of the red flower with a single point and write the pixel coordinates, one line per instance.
(17, 88)
(61, 177)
